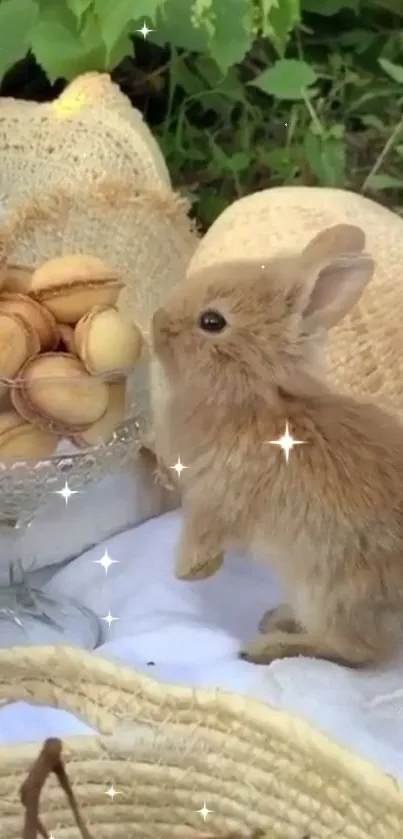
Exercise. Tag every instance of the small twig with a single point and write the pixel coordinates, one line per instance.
(312, 113)
(381, 157)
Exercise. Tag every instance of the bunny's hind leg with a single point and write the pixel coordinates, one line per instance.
(275, 645)
(364, 637)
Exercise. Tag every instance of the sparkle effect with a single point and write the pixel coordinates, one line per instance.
(106, 561)
(111, 792)
(144, 30)
(66, 493)
(109, 619)
(179, 467)
(204, 812)
(286, 442)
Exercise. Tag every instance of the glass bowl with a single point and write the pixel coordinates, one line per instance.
(61, 430)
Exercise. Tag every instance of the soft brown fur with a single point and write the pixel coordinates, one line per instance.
(330, 521)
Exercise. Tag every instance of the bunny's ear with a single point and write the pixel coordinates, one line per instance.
(337, 287)
(334, 241)
(339, 273)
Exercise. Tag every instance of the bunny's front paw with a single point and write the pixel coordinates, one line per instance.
(199, 554)
(195, 565)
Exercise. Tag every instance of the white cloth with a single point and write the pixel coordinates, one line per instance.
(58, 532)
(192, 631)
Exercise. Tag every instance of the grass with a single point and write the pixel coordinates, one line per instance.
(223, 138)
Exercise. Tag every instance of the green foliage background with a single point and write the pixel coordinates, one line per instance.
(256, 92)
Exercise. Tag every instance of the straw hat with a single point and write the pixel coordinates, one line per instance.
(83, 174)
(167, 751)
(364, 352)
(89, 131)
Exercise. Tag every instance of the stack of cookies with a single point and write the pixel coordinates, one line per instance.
(65, 354)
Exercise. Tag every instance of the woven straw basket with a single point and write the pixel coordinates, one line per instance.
(168, 750)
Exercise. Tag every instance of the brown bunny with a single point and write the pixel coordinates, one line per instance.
(240, 345)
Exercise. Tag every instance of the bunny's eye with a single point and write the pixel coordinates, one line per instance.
(211, 321)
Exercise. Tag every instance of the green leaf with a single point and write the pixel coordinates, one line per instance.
(231, 39)
(394, 71)
(189, 81)
(194, 154)
(50, 11)
(327, 8)
(96, 50)
(279, 161)
(380, 182)
(121, 49)
(360, 39)
(66, 45)
(337, 131)
(287, 79)
(228, 85)
(220, 159)
(326, 158)
(63, 52)
(118, 18)
(78, 7)
(239, 162)
(333, 162)
(210, 205)
(279, 18)
(173, 26)
(373, 121)
(17, 20)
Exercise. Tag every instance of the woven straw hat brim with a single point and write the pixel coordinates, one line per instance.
(145, 234)
(364, 350)
(90, 131)
(166, 750)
